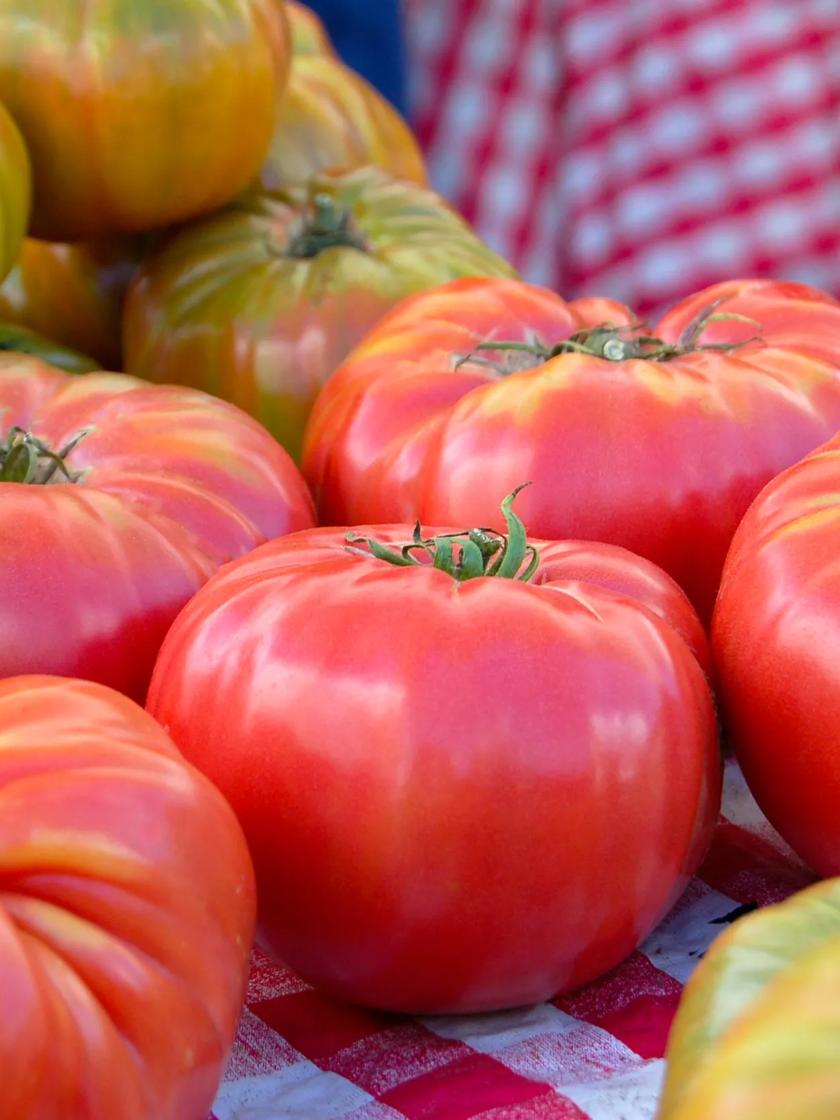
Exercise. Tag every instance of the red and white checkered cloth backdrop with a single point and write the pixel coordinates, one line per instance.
(594, 1055)
(637, 148)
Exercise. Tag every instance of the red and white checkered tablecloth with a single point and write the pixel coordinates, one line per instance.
(639, 149)
(594, 1055)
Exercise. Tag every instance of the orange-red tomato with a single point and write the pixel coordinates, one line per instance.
(776, 632)
(126, 914)
(260, 303)
(459, 796)
(138, 115)
(15, 191)
(165, 485)
(73, 294)
(656, 446)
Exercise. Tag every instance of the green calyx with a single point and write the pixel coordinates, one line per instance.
(465, 555)
(615, 343)
(326, 226)
(25, 459)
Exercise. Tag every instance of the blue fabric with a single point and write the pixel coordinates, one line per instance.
(368, 34)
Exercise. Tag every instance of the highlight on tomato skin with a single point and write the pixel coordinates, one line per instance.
(464, 789)
(653, 437)
(126, 916)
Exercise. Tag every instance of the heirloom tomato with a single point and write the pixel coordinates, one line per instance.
(330, 118)
(757, 1033)
(126, 914)
(117, 500)
(776, 632)
(140, 113)
(21, 340)
(15, 192)
(654, 440)
(260, 303)
(469, 780)
(73, 294)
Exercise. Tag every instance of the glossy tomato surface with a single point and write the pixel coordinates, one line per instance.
(73, 294)
(777, 646)
(15, 192)
(126, 912)
(427, 419)
(260, 303)
(459, 796)
(167, 483)
(757, 1032)
(140, 113)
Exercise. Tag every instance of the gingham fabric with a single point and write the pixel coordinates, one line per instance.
(594, 1055)
(639, 149)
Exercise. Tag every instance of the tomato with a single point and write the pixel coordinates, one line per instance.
(73, 293)
(138, 115)
(260, 303)
(309, 36)
(164, 485)
(757, 1033)
(460, 794)
(126, 915)
(660, 448)
(777, 646)
(331, 118)
(15, 192)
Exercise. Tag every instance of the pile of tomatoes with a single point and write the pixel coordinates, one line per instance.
(443, 595)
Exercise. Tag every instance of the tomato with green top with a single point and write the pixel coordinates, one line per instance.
(473, 771)
(656, 439)
(261, 302)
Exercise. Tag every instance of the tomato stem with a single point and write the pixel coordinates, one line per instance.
(463, 555)
(326, 226)
(618, 343)
(28, 460)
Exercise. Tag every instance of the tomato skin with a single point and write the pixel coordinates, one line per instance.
(309, 36)
(173, 484)
(331, 118)
(15, 191)
(757, 1029)
(73, 293)
(776, 633)
(224, 307)
(661, 457)
(126, 915)
(433, 838)
(140, 115)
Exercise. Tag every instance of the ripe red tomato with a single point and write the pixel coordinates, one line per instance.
(659, 448)
(777, 647)
(165, 485)
(459, 796)
(140, 114)
(126, 915)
